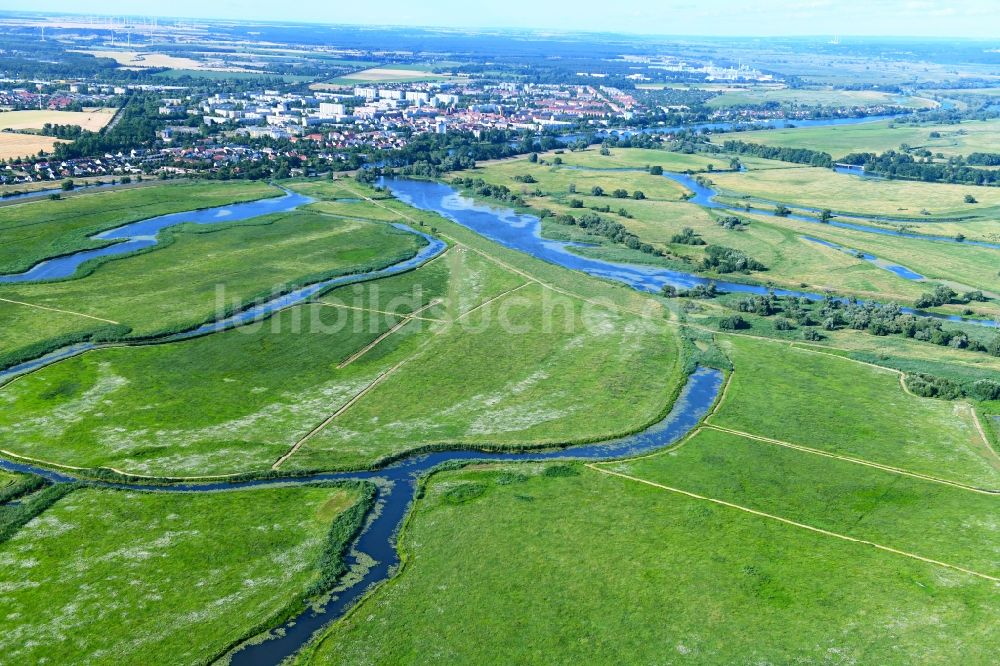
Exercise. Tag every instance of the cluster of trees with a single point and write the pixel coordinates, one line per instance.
(722, 259)
(614, 231)
(893, 164)
(481, 188)
(704, 291)
(832, 314)
(796, 155)
(983, 159)
(943, 295)
(62, 131)
(687, 236)
(930, 386)
(732, 222)
(134, 127)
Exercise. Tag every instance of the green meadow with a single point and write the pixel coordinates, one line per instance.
(933, 520)
(791, 261)
(851, 409)
(567, 363)
(515, 565)
(37, 230)
(111, 577)
(846, 193)
(816, 97)
(200, 271)
(879, 136)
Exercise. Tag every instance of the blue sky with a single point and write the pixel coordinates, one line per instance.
(940, 18)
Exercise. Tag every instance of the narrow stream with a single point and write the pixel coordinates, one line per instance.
(397, 490)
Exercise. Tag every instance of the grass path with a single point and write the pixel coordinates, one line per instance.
(856, 461)
(69, 312)
(793, 523)
(406, 319)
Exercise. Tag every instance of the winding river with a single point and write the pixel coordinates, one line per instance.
(523, 232)
(397, 487)
(397, 482)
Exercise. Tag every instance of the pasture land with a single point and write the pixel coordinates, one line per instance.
(91, 120)
(38, 230)
(844, 407)
(640, 158)
(529, 370)
(877, 137)
(107, 576)
(791, 260)
(514, 565)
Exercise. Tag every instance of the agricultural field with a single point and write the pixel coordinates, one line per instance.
(879, 136)
(150, 59)
(106, 576)
(92, 120)
(14, 146)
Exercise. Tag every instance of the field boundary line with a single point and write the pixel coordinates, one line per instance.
(856, 461)
(787, 521)
(406, 319)
(343, 408)
(490, 300)
(982, 432)
(69, 312)
(383, 312)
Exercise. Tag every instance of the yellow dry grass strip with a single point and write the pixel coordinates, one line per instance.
(382, 312)
(69, 312)
(41, 462)
(371, 345)
(803, 526)
(491, 300)
(856, 461)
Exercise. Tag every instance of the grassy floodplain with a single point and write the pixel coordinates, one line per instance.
(176, 284)
(791, 260)
(816, 97)
(599, 569)
(847, 408)
(880, 136)
(823, 188)
(110, 577)
(37, 230)
(641, 158)
(263, 388)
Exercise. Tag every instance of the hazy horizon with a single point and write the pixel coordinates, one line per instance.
(976, 19)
